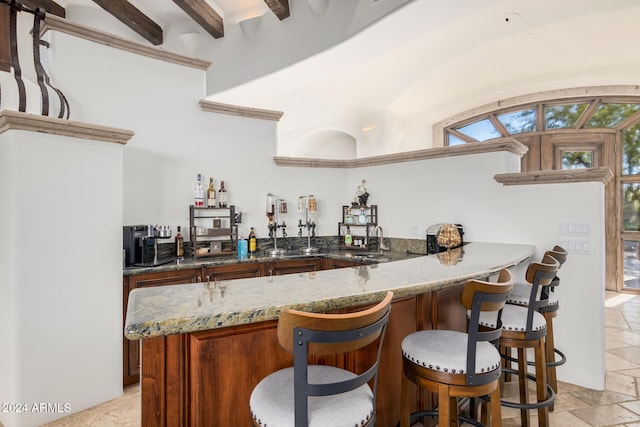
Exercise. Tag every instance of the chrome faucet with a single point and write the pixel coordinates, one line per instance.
(380, 234)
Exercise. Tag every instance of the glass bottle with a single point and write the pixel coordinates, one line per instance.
(222, 195)
(211, 194)
(252, 241)
(179, 244)
(198, 192)
(348, 240)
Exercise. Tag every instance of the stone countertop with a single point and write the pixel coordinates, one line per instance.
(176, 309)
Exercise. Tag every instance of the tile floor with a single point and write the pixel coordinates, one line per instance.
(617, 405)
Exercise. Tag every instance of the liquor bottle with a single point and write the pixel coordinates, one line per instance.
(348, 240)
(222, 195)
(252, 241)
(211, 194)
(198, 192)
(179, 241)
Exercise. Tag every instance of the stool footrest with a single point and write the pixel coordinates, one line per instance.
(561, 361)
(434, 413)
(551, 395)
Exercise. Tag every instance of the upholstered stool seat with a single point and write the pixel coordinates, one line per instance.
(273, 399)
(318, 395)
(514, 318)
(446, 351)
(457, 364)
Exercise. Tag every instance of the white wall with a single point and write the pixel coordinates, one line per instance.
(62, 258)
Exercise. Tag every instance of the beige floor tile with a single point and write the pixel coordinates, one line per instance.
(632, 406)
(621, 383)
(631, 354)
(566, 419)
(567, 402)
(606, 415)
(614, 362)
(597, 398)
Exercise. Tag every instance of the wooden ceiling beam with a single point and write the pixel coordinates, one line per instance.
(204, 15)
(279, 7)
(49, 6)
(134, 19)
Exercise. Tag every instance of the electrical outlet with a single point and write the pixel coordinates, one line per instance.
(414, 231)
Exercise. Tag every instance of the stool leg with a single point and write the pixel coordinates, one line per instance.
(405, 407)
(496, 410)
(522, 385)
(444, 406)
(541, 383)
(550, 355)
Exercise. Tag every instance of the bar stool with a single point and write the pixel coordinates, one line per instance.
(521, 295)
(319, 395)
(456, 364)
(525, 328)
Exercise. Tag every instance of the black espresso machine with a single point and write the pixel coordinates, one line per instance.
(433, 247)
(140, 244)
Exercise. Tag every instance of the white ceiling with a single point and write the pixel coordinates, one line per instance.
(434, 58)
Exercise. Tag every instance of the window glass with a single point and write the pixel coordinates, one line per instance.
(577, 159)
(480, 130)
(631, 150)
(519, 121)
(609, 115)
(631, 264)
(454, 140)
(631, 206)
(562, 116)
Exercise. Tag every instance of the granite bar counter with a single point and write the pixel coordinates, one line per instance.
(211, 342)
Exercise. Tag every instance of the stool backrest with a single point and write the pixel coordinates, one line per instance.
(477, 297)
(306, 334)
(539, 275)
(560, 254)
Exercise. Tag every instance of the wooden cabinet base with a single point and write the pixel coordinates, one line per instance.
(206, 378)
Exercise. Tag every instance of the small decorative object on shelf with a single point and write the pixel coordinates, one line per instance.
(361, 196)
(356, 231)
(213, 231)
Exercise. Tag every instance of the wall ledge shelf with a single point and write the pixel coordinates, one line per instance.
(236, 110)
(502, 144)
(603, 175)
(16, 120)
(56, 23)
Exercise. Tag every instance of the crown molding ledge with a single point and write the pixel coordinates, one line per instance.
(502, 144)
(15, 120)
(236, 110)
(55, 23)
(603, 175)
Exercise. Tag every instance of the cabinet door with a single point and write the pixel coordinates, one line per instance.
(293, 266)
(330, 264)
(234, 271)
(131, 348)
